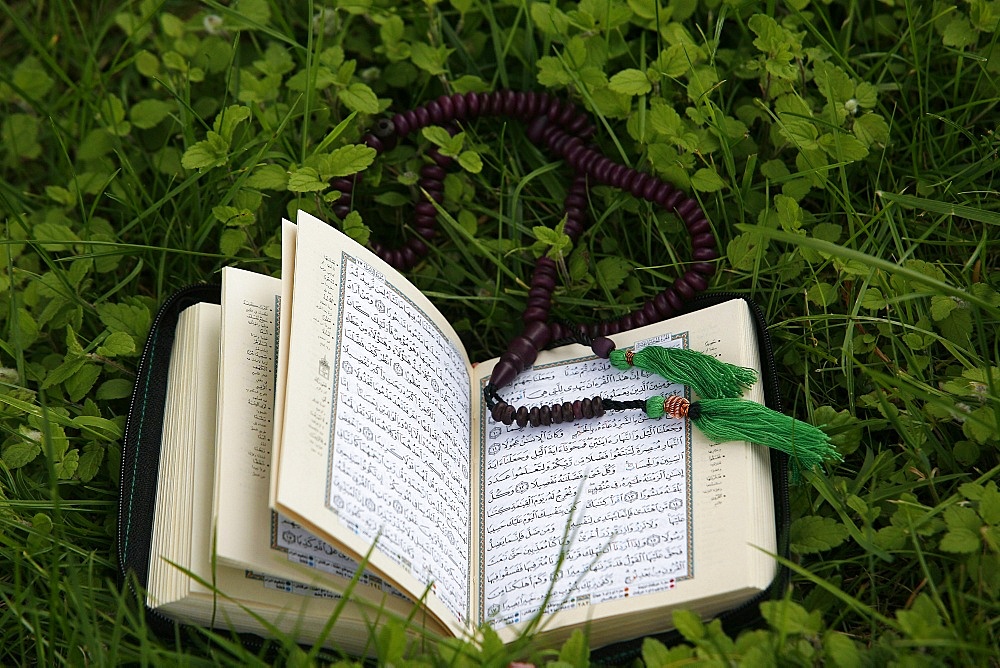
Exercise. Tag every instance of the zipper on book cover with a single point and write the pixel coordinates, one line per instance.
(170, 308)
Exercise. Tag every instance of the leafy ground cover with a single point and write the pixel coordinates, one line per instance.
(845, 152)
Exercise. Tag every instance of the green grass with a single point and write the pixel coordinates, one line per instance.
(845, 154)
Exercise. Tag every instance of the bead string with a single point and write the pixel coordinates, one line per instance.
(562, 128)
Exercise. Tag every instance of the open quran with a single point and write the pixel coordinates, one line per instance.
(332, 418)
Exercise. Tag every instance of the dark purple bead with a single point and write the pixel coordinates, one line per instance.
(371, 141)
(620, 176)
(638, 184)
(423, 117)
(698, 226)
(534, 314)
(401, 124)
(569, 112)
(704, 254)
(578, 124)
(539, 302)
(601, 329)
(435, 112)
(626, 322)
(523, 348)
(639, 319)
(341, 210)
(598, 405)
(663, 307)
(587, 407)
(652, 187)
(408, 257)
(567, 412)
(557, 415)
(391, 256)
(426, 209)
(459, 107)
(602, 346)
(536, 129)
(508, 415)
(696, 281)
(613, 327)
(706, 240)
(503, 373)
(602, 169)
(545, 416)
(447, 108)
(472, 104)
(534, 419)
(343, 185)
(436, 195)
(497, 411)
(663, 192)
(577, 409)
(649, 311)
(543, 281)
(539, 292)
(673, 199)
(522, 416)
(418, 246)
(433, 172)
(683, 288)
(538, 334)
(675, 301)
(703, 268)
(574, 156)
(515, 361)
(687, 208)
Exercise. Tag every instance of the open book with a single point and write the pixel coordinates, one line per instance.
(333, 417)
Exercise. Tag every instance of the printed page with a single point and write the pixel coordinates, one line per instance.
(653, 514)
(249, 534)
(376, 441)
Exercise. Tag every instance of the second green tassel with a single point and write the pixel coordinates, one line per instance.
(708, 377)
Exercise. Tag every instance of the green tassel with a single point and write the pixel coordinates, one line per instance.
(743, 420)
(708, 377)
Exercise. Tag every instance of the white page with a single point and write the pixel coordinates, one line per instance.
(681, 519)
(376, 443)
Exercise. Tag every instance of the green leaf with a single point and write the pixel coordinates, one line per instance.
(873, 299)
(575, 651)
(148, 113)
(346, 160)
(959, 33)
(31, 78)
(67, 466)
(630, 82)
(989, 504)
(359, 97)
(812, 533)
(922, 621)
(470, 162)
(549, 19)
(20, 136)
(117, 343)
(744, 250)
(843, 147)
(305, 179)
(90, 461)
(428, 58)
(551, 72)
(121, 317)
(226, 122)
(822, 293)
(942, 306)
(355, 228)
(707, 180)
(111, 113)
(612, 270)
(689, 625)
(212, 152)
(789, 213)
(871, 129)
(268, 177)
(790, 618)
(21, 453)
(231, 241)
(840, 650)
(116, 388)
(79, 384)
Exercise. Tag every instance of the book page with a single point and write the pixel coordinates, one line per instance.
(655, 514)
(375, 447)
(249, 535)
